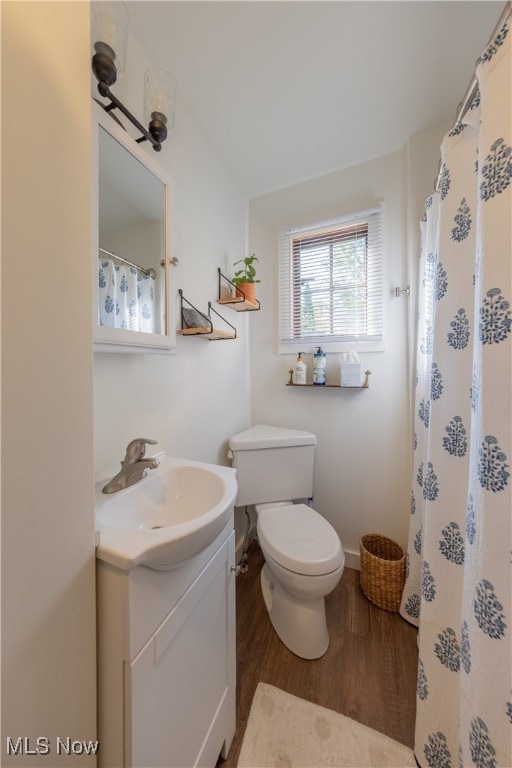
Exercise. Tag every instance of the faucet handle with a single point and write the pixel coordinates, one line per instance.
(136, 450)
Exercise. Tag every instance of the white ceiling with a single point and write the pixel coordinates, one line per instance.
(290, 90)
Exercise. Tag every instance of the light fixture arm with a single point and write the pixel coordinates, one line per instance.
(104, 90)
(109, 38)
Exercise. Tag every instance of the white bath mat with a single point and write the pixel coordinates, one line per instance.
(284, 731)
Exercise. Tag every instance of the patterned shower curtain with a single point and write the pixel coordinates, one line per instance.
(126, 297)
(458, 585)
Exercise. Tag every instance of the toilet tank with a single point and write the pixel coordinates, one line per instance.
(273, 464)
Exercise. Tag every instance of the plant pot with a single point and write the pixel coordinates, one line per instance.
(247, 291)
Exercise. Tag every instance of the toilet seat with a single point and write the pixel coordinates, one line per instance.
(299, 539)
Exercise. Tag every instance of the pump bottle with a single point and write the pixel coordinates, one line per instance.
(299, 371)
(319, 366)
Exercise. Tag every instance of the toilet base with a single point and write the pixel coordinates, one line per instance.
(299, 622)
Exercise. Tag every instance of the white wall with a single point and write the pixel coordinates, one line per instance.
(191, 402)
(48, 614)
(362, 474)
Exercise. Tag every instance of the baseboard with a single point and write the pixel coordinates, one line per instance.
(352, 560)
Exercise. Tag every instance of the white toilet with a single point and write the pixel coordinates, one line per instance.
(304, 558)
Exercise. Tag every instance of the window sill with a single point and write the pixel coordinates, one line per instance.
(310, 347)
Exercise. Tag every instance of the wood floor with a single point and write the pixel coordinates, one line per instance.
(368, 672)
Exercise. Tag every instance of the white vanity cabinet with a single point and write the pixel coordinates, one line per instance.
(167, 661)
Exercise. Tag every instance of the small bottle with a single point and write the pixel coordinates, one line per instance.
(319, 366)
(299, 371)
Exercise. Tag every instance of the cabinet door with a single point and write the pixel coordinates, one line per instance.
(180, 689)
(132, 253)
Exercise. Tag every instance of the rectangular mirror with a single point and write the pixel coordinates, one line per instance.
(132, 254)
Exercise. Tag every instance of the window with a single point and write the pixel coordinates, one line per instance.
(331, 282)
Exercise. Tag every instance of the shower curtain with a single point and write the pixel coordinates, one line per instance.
(458, 579)
(126, 297)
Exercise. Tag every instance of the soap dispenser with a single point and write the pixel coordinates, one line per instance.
(299, 371)
(319, 366)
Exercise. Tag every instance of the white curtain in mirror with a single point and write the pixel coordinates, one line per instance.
(126, 297)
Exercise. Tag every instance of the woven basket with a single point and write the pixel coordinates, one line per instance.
(382, 571)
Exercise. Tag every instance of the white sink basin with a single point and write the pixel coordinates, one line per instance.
(172, 514)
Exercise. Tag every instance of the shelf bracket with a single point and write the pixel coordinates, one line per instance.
(240, 303)
(191, 316)
(211, 309)
(197, 323)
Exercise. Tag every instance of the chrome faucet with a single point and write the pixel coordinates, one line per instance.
(134, 466)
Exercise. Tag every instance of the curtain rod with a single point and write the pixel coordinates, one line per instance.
(472, 88)
(149, 272)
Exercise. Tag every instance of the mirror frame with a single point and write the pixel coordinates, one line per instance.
(108, 339)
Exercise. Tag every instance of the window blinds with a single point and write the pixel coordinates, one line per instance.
(330, 286)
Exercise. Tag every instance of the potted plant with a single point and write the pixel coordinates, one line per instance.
(245, 278)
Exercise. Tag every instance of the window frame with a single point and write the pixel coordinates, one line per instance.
(329, 238)
(290, 333)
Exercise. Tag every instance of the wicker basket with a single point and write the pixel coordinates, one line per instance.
(382, 571)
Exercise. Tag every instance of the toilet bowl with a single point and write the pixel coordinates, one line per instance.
(304, 558)
(304, 562)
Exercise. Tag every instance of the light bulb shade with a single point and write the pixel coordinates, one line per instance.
(109, 27)
(159, 97)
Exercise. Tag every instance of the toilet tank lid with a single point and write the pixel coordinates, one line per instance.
(264, 436)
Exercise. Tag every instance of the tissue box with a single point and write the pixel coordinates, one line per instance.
(351, 374)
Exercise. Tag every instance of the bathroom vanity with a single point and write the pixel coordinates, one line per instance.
(166, 647)
(166, 617)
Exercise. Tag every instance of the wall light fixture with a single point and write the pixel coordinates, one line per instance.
(109, 37)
